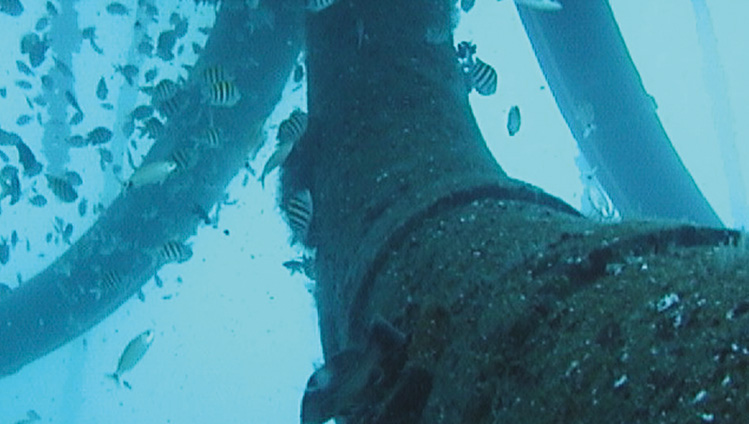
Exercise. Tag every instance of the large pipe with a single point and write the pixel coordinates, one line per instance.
(120, 252)
(601, 96)
(449, 293)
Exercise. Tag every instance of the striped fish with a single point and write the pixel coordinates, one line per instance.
(174, 251)
(61, 188)
(318, 5)
(164, 90)
(224, 94)
(185, 158)
(209, 137)
(292, 128)
(299, 211)
(215, 73)
(483, 77)
(111, 280)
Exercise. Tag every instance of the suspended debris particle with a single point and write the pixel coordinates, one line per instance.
(118, 9)
(38, 200)
(133, 353)
(513, 121)
(61, 188)
(98, 135)
(23, 120)
(101, 89)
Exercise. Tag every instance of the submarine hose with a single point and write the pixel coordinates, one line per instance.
(497, 286)
(119, 253)
(391, 140)
(601, 97)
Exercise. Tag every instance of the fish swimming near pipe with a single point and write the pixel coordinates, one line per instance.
(133, 353)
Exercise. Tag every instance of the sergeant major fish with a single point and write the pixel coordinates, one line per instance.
(133, 353)
(298, 210)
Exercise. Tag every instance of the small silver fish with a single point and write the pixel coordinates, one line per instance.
(151, 173)
(133, 353)
(513, 121)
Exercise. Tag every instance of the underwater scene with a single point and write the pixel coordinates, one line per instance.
(374, 211)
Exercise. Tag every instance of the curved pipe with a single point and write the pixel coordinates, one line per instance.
(120, 252)
(612, 117)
